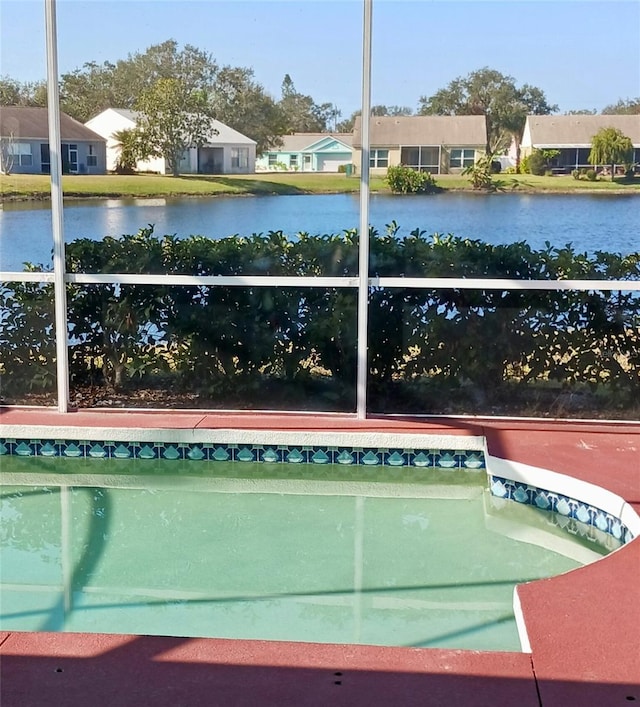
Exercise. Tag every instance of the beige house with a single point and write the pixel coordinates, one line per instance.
(439, 144)
(572, 135)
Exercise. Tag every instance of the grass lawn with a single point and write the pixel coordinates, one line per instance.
(141, 185)
(27, 186)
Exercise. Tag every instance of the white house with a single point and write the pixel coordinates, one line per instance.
(226, 151)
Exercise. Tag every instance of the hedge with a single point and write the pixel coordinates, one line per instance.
(250, 346)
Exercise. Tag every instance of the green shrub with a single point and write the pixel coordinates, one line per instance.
(228, 343)
(524, 167)
(537, 163)
(404, 180)
(591, 175)
(575, 173)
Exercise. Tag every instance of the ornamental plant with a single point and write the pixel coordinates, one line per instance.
(480, 173)
(610, 146)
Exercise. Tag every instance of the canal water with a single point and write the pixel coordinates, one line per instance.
(589, 222)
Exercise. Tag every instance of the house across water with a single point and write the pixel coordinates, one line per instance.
(439, 144)
(571, 136)
(226, 151)
(309, 152)
(24, 143)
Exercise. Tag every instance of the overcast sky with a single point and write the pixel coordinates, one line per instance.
(581, 54)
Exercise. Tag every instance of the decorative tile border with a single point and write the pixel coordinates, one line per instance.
(569, 512)
(469, 460)
(573, 515)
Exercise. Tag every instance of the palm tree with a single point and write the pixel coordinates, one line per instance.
(129, 154)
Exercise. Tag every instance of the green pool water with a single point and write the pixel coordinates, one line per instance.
(427, 560)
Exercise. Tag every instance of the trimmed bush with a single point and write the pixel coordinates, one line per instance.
(405, 180)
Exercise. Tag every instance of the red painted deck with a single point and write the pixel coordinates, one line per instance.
(584, 626)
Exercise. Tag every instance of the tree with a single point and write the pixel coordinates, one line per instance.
(625, 106)
(512, 115)
(233, 96)
(15, 93)
(7, 155)
(610, 146)
(488, 92)
(301, 113)
(333, 114)
(172, 118)
(241, 103)
(88, 91)
(346, 126)
(581, 111)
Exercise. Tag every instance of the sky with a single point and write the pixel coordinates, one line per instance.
(582, 54)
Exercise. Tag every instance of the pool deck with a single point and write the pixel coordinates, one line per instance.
(583, 626)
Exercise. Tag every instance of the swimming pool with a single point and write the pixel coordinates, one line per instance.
(274, 551)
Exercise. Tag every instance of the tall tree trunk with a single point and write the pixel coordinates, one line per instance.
(516, 139)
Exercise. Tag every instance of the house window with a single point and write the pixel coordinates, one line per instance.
(293, 160)
(240, 157)
(73, 158)
(379, 158)
(92, 157)
(424, 158)
(273, 159)
(461, 158)
(21, 152)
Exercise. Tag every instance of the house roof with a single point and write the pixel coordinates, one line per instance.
(300, 142)
(393, 131)
(124, 112)
(29, 123)
(227, 134)
(578, 130)
(224, 134)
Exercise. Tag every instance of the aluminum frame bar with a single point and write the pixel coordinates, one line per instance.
(57, 220)
(363, 241)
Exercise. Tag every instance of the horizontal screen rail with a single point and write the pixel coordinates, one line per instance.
(213, 280)
(439, 283)
(463, 283)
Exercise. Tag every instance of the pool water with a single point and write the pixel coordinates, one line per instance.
(427, 561)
